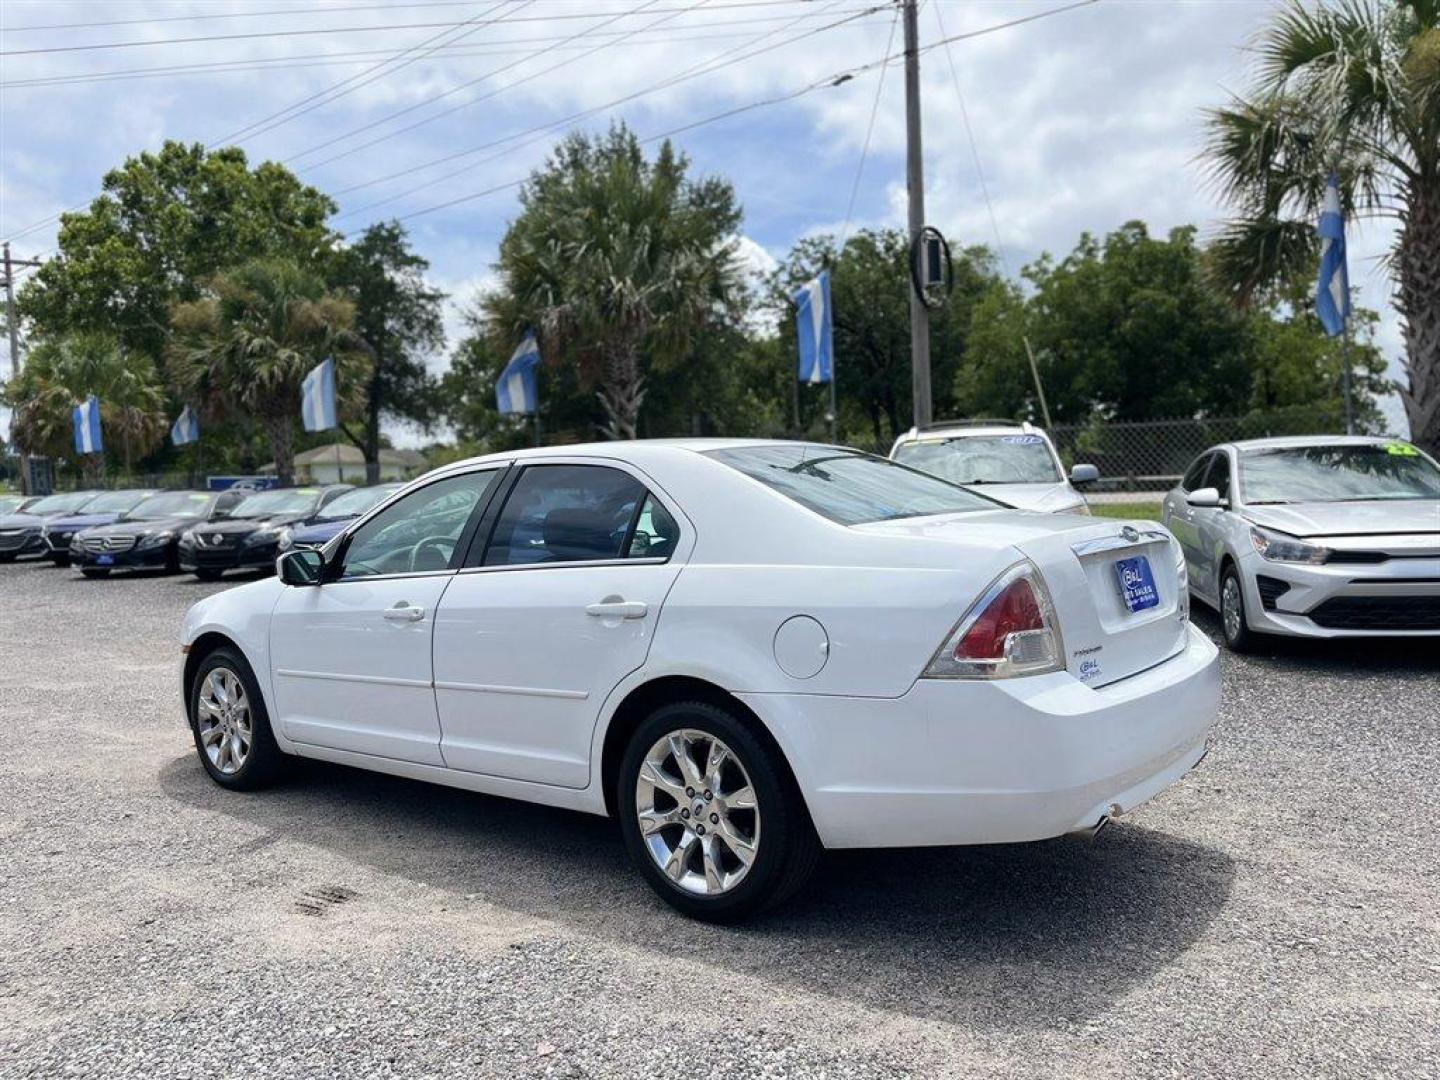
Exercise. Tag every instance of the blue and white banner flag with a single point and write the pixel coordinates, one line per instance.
(812, 329)
(87, 427)
(317, 397)
(186, 428)
(516, 390)
(1332, 291)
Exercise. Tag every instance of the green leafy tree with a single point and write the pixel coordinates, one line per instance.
(244, 350)
(870, 320)
(59, 373)
(618, 263)
(1350, 86)
(164, 224)
(399, 318)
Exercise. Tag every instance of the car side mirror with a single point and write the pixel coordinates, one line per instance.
(1205, 498)
(1084, 474)
(300, 567)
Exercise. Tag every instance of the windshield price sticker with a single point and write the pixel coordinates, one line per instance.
(1021, 440)
(1400, 449)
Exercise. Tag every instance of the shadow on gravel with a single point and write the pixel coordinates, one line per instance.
(991, 937)
(1385, 657)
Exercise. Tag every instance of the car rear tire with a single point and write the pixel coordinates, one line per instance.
(711, 814)
(1234, 623)
(207, 575)
(91, 572)
(230, 725)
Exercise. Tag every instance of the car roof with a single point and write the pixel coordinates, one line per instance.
(960, 429)
(635, 451)
(1298, 441)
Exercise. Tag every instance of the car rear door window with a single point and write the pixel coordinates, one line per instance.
(569, 513)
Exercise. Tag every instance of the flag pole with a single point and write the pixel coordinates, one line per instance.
(834, 409)
(1345, 379)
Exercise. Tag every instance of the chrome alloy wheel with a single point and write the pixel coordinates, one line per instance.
(697, 811)
(223, 720)
(1231, 608)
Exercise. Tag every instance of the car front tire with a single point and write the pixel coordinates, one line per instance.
(711, 815)
(1234, 622)
(230, 725)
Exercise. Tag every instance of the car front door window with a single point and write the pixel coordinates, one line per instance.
(417, 534)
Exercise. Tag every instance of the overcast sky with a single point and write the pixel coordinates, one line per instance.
(1083, 119)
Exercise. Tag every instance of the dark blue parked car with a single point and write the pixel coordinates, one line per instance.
(20, 532)
(148, 536)
(101, 510)
(325, 525)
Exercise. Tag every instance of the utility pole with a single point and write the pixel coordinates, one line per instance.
(915, 185)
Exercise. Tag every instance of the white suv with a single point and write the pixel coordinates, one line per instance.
(1015, 463)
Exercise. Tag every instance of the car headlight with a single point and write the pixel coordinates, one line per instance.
(287, 539)
(1277, 548)
(156, 539)
(187, 539)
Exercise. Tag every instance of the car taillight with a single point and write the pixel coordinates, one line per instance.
(1009, 631)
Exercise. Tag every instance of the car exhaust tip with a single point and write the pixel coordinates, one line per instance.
(1091, 831)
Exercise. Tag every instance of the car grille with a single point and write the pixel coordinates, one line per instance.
(13, 541)
(1271, 589)
(109, 543)
(1379, 613)
(208, 540)
(1356, 557)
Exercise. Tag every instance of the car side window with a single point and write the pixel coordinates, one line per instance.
(1219, 475)
(418, 533)
(656, 532)
(1196, 473)
(566, 513)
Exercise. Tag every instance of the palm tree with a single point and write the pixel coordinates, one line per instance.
(243, 351)
(61, 372)
(616, 261)
(1351, 86)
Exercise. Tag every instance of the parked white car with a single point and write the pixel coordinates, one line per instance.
(1321, 536)
(745, 651)
(1015, 463)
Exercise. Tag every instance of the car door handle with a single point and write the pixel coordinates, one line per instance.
(404, 612)
(616, 608)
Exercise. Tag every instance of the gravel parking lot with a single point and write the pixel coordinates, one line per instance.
(1275, 915)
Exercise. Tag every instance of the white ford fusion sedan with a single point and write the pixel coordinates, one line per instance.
(745, 651)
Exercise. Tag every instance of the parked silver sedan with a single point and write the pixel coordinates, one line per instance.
(1320, 536)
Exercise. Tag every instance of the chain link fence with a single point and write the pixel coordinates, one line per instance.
(1151, 455)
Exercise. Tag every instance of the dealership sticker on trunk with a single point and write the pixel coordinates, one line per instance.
(1137, 584)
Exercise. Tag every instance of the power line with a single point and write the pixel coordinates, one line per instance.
(383, 28)
(327, 59)
(832, 80)
(354, 82)
(206, 17)
(705, 67)
(869, 131)
(592, 50)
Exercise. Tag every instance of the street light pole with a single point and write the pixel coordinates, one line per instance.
(915, 185)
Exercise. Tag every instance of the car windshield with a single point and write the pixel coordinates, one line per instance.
(271, 503)
(8, 503)
(61, 504)
(168, 504)
(354, 503)
(847, 486)
(115, 502)
(1341, 473)
(983, 459)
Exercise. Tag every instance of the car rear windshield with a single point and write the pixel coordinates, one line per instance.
(1337, 474)
(983, 459)
(847, 486)
(270, 503)
(168, 504)
(354, 503)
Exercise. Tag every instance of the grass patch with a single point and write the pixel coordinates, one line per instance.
(1150, 510)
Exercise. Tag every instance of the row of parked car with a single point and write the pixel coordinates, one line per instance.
(201, 532)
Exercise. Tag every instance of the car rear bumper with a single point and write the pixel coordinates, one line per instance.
(1395, 598)
(959, 762)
